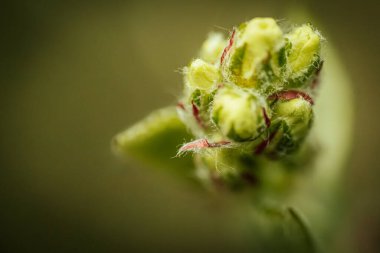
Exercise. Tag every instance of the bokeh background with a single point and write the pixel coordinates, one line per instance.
(74, 73)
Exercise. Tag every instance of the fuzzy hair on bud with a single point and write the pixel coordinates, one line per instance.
(237, 114)
(212, 48)
(304, 50)
(256, 42)
(297, 114)
(201, 75)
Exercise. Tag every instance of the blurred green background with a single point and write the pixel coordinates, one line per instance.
(74, 73)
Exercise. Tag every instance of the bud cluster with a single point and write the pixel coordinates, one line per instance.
(252, 90)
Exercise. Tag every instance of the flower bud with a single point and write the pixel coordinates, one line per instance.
(292, 121)
(255, 43)
(303, 53)
(238, 114)
(297, 114)
(212, 48)
(201, 75)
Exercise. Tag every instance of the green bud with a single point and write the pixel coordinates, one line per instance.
(297, 114)
(304, 50)
(237, 113)
(212, 48)
(254, 44)
(201, 75)
(291, 123)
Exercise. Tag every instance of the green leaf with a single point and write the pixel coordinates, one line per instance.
(155, 140)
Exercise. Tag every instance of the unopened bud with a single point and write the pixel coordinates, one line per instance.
(201, 75)
(303, 52)
(292, 121)
(212, 48)
(255, 43)
(298, 115)
(238, 114)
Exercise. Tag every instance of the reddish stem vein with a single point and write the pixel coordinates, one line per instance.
(291, 94)
(228, 47)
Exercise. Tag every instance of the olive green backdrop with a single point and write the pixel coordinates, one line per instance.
(73, 74)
